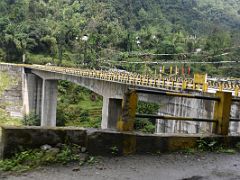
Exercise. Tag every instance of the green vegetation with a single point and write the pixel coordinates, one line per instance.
(114, 150)
(5, 119)
(51, 31)
(5, 82)
(31, 120)
(78, 106)
(146, 125)
(214, 146)
(204, 145)
(30, 159)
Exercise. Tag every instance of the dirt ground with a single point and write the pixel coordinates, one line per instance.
(177, 166)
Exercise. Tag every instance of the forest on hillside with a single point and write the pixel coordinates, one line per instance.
(52, 31)
(107, 34)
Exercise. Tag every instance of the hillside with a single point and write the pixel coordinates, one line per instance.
(107, 34)
(52, 30)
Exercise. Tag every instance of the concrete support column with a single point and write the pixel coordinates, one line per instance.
(31, 94)
(49, 103)
(39, 97)
(111, 112)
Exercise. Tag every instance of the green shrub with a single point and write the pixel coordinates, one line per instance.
(31, 120)
(30, 159)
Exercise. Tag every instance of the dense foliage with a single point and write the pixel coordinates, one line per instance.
(78, 106)
(52, 31)
(47, 30)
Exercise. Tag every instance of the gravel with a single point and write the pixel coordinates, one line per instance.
(177, 166)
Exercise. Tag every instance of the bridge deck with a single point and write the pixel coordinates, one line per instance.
(140, 80)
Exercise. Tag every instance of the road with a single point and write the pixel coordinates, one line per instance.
(177, 166)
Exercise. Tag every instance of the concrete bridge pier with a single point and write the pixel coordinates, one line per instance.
(40, 98)
(111, 112)
(49, 103)
(32, 92)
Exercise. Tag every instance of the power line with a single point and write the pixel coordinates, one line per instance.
(181, 54)
(203, 53)
(172, 62)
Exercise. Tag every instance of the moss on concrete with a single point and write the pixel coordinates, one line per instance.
(5, 119)
(6, 82)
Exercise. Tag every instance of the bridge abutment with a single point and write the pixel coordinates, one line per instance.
(111, 112)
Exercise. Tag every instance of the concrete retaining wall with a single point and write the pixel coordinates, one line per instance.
(15, 138)
(100, 142)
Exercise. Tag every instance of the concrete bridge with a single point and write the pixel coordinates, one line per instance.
(120, 92)
(40, 89)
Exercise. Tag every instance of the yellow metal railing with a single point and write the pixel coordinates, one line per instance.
(141, 80)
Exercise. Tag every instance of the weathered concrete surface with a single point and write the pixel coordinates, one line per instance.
(235, 113)
(100, 142)
(14, 138)
(12, 98)
(101, 87)
(49, 103)
(186, 107)
(111, 112)
(32, 93)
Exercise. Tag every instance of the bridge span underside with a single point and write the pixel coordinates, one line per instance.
(40, 95)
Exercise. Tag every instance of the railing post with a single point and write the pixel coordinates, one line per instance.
(184, 85)
(205, 87)
(199, 79)
(222, 112)
(236, 91)
(220, 87)
(129, 107)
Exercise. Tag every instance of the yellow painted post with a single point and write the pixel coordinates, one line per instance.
(176, 70)
(205, 87)
(220, 87)
(160, 77)
(236, 91)
(163, 69)
(199, 79)
(129, 107)
(222, 112)
(184, 85)
(171, 70)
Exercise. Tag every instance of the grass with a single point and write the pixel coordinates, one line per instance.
(31, 159)
(78, 106)
(5, 119)
(5, 83)
(211, 146)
